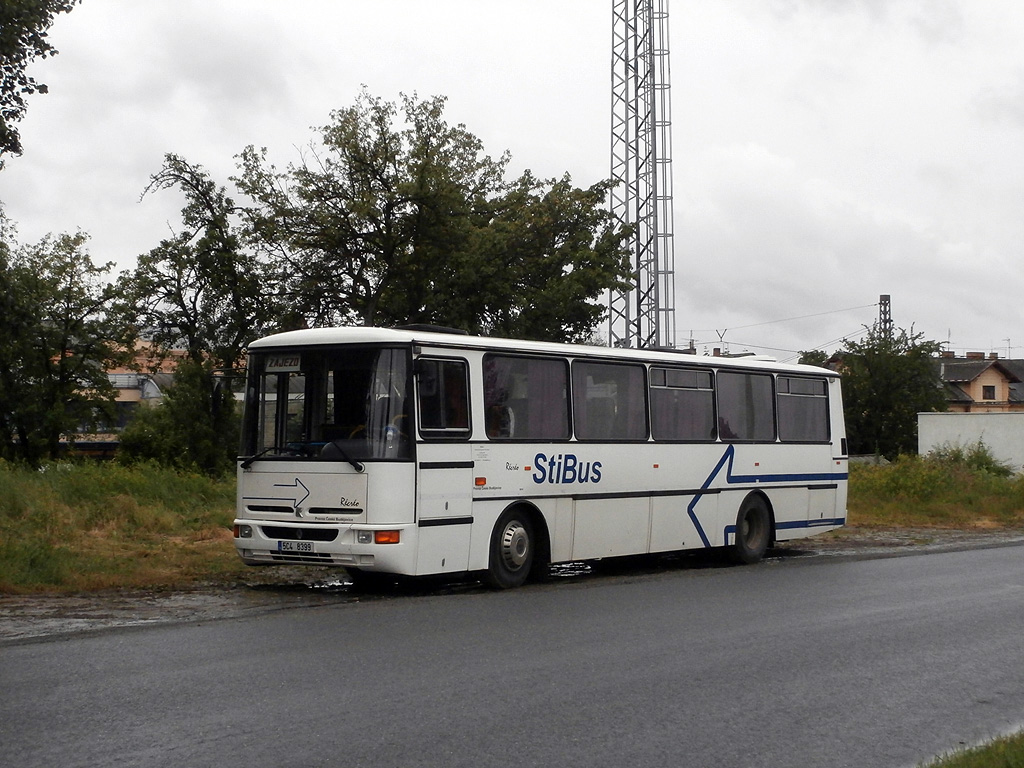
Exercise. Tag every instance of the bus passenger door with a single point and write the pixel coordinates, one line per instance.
(444, 470)
(444, 510)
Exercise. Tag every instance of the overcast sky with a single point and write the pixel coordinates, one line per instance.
(825, 151)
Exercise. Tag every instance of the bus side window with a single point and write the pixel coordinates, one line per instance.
(443, 397)
(682, 405)
(526, 398)
(746, 406)
(609, 401)
(803, 410)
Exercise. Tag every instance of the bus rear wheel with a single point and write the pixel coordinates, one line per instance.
(512, 551)
(753, 531)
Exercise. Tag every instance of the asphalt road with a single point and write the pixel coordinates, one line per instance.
(879, 662)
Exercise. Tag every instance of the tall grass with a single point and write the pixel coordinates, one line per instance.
(91, 526)
(1005, 752)
(951, 487)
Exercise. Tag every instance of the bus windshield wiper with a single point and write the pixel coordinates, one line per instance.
(358, 466)
(279, 448)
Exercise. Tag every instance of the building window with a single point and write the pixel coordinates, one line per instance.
(988, 392)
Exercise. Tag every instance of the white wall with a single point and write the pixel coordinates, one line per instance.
(1002, 433)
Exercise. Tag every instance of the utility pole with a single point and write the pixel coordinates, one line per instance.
(641, 164)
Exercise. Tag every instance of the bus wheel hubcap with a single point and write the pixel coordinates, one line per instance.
(515, 545)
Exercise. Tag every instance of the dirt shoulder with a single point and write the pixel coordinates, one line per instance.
(32, 618)
(881, 541)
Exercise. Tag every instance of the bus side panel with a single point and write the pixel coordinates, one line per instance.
(792, 476)
(610, 527)
(443, 549)
(444, 491)
(561, 523)
(821, 503)
(840, 459)
(485, 515)
(842, 492)
(557, 515)
(444, 507)
(789, 505)
(672, 527)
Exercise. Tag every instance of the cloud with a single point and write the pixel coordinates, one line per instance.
(824, 152)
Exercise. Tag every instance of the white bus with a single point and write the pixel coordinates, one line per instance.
(418, 452)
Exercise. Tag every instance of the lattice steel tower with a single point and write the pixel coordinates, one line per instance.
(885, 314)
(643, 316)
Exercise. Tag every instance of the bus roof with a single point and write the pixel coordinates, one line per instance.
(316, 337)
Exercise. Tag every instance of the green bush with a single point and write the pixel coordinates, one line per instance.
(195, 428)
(951, 486)
(976, 456)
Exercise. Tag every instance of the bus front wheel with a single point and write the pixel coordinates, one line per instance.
(753, 531)
(512, 550)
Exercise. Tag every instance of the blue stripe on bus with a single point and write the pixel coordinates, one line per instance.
(834, 521)
(727, 461)
(809, 523)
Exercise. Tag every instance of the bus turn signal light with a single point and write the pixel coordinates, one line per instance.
(386, 537)
(480, 482)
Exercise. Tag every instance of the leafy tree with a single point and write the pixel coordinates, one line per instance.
(550, 250)
(201, 290)
(58, 340)
(362, 217)
(194, 428)
(14, 323)
(814, 357)
(380, 225)
(888, 378)
(385, 225)
(23, 28)
(204, 291)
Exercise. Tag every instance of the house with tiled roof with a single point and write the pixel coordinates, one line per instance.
(985, 395)
(980, 384)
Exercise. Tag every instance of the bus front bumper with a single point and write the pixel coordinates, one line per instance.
(389, 549)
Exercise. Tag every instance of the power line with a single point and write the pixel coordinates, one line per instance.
(845, 337)
(794, 352)
(787, 319)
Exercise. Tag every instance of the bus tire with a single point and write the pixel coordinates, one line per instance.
(512, 551)
(753, 531)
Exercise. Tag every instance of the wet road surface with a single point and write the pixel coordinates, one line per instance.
(809, 661)
(33, 618)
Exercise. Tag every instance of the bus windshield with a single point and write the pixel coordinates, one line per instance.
(341, 404)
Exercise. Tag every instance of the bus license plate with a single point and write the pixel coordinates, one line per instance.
(295, 546)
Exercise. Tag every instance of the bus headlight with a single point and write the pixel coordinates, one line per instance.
(364, 537)
(243, 531)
